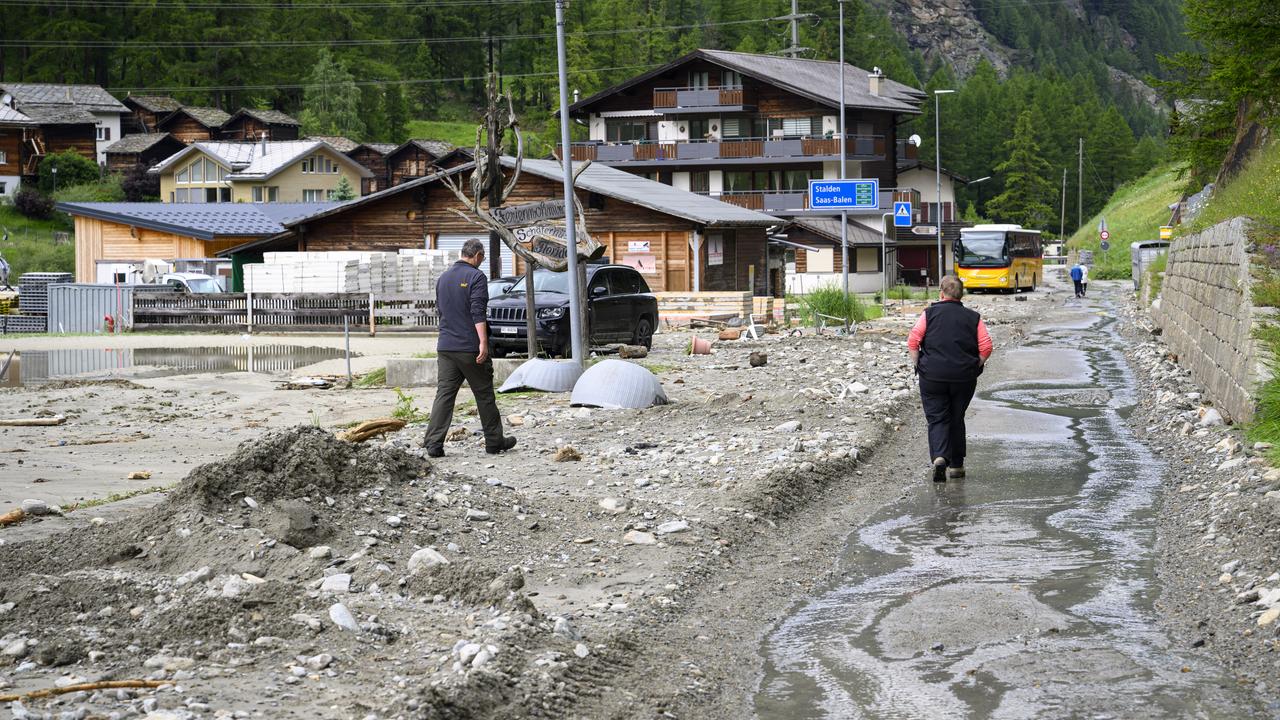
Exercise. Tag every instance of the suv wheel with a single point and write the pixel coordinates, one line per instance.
(497, 351)
(644, 333)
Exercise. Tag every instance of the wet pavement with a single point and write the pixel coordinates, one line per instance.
(1026, 590)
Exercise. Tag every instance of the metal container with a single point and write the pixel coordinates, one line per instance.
(1142, 254)
(84, 307)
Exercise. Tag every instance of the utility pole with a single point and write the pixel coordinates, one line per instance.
(844, 214)
(1062, 219)
(576, 305)
(1080, 187)
(794, 18)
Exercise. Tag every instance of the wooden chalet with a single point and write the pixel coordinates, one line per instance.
(374, 157)
(61, 114)
(679, 241)
(193, 124)
(141, 149)
(146, 112)
(26, 139)
(253, 124)
(416, 159)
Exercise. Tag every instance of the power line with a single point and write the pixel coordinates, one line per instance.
(125, 44)
(242, 5)
(377, 83)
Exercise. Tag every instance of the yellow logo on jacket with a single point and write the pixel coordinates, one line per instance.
(462, 284)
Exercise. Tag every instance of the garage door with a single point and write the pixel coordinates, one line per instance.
(454, 242)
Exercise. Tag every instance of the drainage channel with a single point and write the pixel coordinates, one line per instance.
(1024, 591)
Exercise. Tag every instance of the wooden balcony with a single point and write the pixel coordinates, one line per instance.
(728, 151)
(690, 99)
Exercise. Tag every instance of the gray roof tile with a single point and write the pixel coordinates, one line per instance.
(135, 143)
(248, 162)
(337, 142)
(436, 148)
(89, 97)
(271, 117)
(201, 220)
(154, 103)
(59, 114)
(207, 116)
(9, 116)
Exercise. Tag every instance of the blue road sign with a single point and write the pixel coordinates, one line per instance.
(844, 194)
(902, 214)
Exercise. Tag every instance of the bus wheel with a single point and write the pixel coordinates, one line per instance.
(1017, 284)
(1034, 283)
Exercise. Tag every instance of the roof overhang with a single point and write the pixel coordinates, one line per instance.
(77, 209)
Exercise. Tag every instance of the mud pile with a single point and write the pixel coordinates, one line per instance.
(299, 462)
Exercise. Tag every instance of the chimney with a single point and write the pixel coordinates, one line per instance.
(875, 77)
(263, 146)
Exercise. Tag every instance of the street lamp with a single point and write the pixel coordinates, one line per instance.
(937, 171)
(844, 214)
(54, 170)
(975, 182)
(576, 316)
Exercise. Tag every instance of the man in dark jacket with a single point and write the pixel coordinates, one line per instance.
(949, 346)
(462, 352)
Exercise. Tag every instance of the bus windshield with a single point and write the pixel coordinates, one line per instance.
(982, 249)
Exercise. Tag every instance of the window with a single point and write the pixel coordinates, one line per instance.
(182, 195)
(313, 195)
(699, 128)
(4, 157)
(737, 181)
(332, 165)
(184, 175)
(700, 80)
(626, 130)
(700, 182)
(798, 180)
(197, 171)
(104, 133)
(794, 127)
(625, 282)
(732, 127)
(224, 194)
(263, 193)
(730, 78)
(2, 186)
(866, 259)
(211, 195)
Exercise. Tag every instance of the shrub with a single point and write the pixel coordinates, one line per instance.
(73, 169)
(108, 190)
(832, 302)
(138, 186)
(32, 204)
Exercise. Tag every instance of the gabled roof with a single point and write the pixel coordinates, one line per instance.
(380, 148)
(435, 148)
(817, 80)
(829, 229)
(212, 118)
(205, 221)
(153, 103)
(9, 116)
(910, 165)
(91, 98)
(248, 161)
(270, 117)
(337, 142)
(136, 143)
(59, 114)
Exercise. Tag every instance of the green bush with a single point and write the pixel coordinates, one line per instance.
(73, 169)
(105, 190)
(31, 204)
(833, 302)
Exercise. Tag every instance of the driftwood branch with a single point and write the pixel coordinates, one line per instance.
(102, 685)
(32, 422)
(13, 517)
(370, 429)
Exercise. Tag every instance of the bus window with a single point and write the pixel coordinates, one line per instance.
(982, 249)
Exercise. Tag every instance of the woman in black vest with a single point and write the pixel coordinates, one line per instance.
(949, 346)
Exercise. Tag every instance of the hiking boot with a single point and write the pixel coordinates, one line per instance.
(955, 473)
(939, 470)
(434, 452)
(507, 443)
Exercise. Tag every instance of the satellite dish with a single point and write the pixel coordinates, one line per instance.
(915, 140)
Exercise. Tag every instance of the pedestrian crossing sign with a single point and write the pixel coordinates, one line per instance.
(902, 214)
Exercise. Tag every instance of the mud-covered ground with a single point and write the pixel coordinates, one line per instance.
(303, 577)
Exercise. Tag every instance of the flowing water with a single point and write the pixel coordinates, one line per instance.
(34, 367)
(1026, 590)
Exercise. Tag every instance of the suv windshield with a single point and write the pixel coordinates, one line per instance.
(981, 249)
(203, 285)
(545, 281)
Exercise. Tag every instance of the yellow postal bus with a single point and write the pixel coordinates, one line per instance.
(1000, 257)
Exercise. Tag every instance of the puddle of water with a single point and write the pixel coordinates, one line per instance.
(1025, 592)
(35, 367)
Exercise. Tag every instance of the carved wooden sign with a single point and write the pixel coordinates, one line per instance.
(529, 229)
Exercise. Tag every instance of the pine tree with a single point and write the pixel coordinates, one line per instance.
(331, 101)
(1028, 195)
(343, 191)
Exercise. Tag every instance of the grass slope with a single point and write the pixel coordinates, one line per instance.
(30, 247)
(462, 134)
(1135, 212)
(1255, 193)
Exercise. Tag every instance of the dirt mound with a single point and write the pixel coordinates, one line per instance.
(298, 462)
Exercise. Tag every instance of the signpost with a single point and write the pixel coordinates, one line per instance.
(844, 194)
(902, 214)
(1166, 232)
(924, 230)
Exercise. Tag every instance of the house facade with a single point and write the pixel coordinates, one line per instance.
(145, 149)
(416, 159)
(374, 157)
(253, 124)
(146, 111)
(65, 107)
(748, 129)
(193, 124)
(256, 172)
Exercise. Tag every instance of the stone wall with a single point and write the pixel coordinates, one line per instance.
(1206, 313)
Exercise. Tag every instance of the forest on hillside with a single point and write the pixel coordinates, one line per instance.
(364, 68)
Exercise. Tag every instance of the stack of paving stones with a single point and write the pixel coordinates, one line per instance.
(33, 303)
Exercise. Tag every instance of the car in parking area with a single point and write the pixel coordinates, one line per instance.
(620, 309)
(498, 286)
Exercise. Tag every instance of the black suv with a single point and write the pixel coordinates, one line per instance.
(619, 305)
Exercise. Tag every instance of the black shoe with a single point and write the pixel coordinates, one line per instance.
(508, 442)
(939, 470)
(433, 451)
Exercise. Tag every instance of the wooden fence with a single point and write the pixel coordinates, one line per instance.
(284, 311)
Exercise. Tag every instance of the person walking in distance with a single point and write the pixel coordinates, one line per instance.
(1084, 280)
(1077, 272)
(949, 346)
(462, 352)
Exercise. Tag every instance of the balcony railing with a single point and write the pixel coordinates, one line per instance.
(857, 147)
(781, 201)
(690, 99)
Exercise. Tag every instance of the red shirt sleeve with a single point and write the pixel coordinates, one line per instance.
(985, 345)
(917, 334)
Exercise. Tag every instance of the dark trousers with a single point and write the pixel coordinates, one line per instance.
(451, 369)
(1084, 289)
(1079, 288)
(944, 406)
